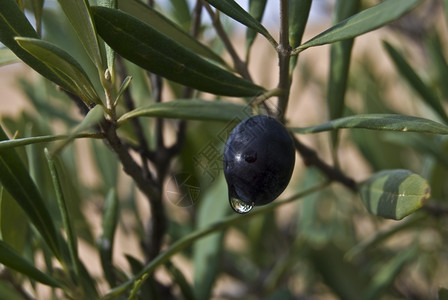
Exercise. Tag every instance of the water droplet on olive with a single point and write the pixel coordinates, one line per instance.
(259, 159)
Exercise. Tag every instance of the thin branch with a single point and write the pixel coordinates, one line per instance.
(284, 52)
(239, 65)
(310, 158)
(436, 209)
(148, 187)
(129, 102)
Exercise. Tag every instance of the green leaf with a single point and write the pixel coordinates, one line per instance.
(106, 163)
(233, 10)
(207, 252)
(436, 53)
(8, 144)
(388, 122)
(443, 293)
(110, 53)
(13, 222)
(63, 65)
(10, 258)
(93, 117)
(194, 109)
(106, 241)
(299, 11)
(381, 236)
(79, 16)
(157, 53)
(416, 82)
(13, 24)
(17, 181)
(63, 210)
(394, 194)
(181, 13)
(340, 54)
(38, 6)
(364, 21)
(256, 9)
(165, 26)
(181, 281)
(388, 273)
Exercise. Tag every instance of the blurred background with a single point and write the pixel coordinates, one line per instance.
(325, 246)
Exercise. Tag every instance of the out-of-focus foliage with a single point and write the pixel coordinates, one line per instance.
(127, 87)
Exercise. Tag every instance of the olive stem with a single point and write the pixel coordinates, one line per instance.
(310, 157)
(284, 52)
(265, 96)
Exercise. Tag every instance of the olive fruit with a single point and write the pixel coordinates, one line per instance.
(258, 162)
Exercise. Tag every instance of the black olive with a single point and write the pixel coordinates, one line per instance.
(258, 162)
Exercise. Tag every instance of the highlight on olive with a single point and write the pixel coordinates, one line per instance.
(258, 162)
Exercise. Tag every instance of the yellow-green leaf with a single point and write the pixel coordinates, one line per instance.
(394, 194)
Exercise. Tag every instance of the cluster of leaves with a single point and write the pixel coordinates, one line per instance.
(109, 58)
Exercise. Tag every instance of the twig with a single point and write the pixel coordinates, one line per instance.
(239, 65)
(284, 51)
(148, 187)
(129, 102)
(436, 209)
(310, 157)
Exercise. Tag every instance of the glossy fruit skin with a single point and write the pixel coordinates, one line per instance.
(258, 160)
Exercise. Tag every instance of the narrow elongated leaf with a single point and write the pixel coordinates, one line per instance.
(159, 22)
(179, 278)
(7, 144)
(93, 117)
(364, 21)
(233, 10)
(388, 273)
(66, 220)
(299, 11)
(394, 194)
(381, 236)
(206, 252)
(106, 241)
(388, 122)
(16, 180)
(155, 52)
(10, 258)
(181, 13)
(79, 16)
(436, 53)
(256, 9)
(340, 54)
(62, 64)
(38, 6)
(13, 24)
(110, 53)
(14, 225)
(194, 109)
(416, 82)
